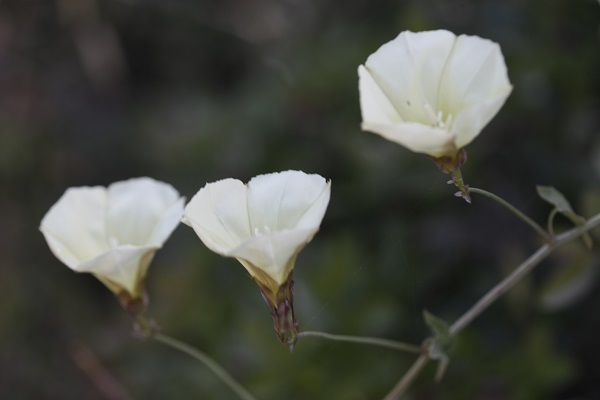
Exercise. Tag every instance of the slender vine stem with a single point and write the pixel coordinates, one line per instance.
(408, 378)
(501, 288)
(515, 211)
(495, 293)
(409, 348)
(458, 180)
(206, 360)
(519, 272)
(551, 220)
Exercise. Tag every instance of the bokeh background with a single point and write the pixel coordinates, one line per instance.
(188, 92)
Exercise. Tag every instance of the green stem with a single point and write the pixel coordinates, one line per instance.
(551, 221)
(519, 272)
(515, 211)
(409, 348)
(206, 360)
(463, 192)
(408, 378)
(491, 296)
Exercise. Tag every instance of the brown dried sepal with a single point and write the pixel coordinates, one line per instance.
(281, 303)
(449, 164)
(133, 305)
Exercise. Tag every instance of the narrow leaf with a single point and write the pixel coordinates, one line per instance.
(558, 200)
(554, 197)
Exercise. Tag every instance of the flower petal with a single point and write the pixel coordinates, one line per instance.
(472, 120)
(416, 137)
(142, 211)
(375, 107)
(286, 200)
(218, 214)
(475, 72)
(474, 87)
(408, 69)
(274, 253)
(74, 226)
(122, 268)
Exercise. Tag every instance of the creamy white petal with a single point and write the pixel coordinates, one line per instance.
(123, 267)
(475, 72)
(409, 68)
(136, 209)
(272, 253)
(74, 226)
(167, 223)
(263, 224)
(416, 137)
(283, 200)
(113, 233)
(374, 105)
(218, 214)
(473, 119)
(444, 88)
(313, 215)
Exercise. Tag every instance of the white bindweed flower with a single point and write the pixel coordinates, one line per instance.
(433, 92)
(264, 225)
(113, 232)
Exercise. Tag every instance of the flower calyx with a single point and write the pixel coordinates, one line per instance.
(281, 304)
(451, 165)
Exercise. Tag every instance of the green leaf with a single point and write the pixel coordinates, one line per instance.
(554, 197)
(562, 205)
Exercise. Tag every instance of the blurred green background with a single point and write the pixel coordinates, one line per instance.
(188, 92)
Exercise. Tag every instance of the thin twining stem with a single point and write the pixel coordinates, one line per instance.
(408, 377)
(496, 292)
(522, 270)
(551, 220)
(515, 211)
(392, 344)
(206, 360)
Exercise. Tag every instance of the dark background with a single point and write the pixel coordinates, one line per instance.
(188, 92)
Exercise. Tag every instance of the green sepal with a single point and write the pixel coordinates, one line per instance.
(438, 345)
(439, 327)
(562, 205)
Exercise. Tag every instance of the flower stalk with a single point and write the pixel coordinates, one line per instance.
(390, 344)
(217, 369)
(463, 189)
(146, 328)
(534, 225)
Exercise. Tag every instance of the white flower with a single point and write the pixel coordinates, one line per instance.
(432, 92)
(263, 224)
(113, 232)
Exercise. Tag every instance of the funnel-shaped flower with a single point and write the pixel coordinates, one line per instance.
(113, 232)
(433, 92)
(263, 224)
